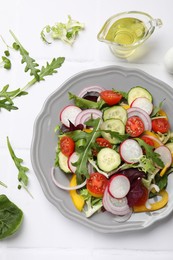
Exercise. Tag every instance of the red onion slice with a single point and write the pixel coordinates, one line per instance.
(87, 114)
(89, 89)
(61, 186)
(134, 111)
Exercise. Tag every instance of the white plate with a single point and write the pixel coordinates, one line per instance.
(44, 142)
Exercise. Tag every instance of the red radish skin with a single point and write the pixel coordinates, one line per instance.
(143, 103)
(119, 186)
(130, 151)
(69, 113)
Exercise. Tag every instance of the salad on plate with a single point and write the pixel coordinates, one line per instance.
(116, 150)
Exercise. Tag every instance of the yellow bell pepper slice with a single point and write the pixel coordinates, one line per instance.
(156, 143)
(125, 106)
(154, 206)
(163, 171)
(162, 113)
(77, 199)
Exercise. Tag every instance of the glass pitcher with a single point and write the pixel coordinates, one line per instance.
(124, 32)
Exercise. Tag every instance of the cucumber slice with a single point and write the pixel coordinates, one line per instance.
(116, 112)
(115, 125)
(137, 92)
(63, 162)
(108, 159)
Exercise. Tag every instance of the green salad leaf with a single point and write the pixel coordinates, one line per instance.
(65, 32)
(84, 103)
(10, 217)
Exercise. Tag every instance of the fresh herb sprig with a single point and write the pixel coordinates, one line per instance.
(22, 170)
(6, 97)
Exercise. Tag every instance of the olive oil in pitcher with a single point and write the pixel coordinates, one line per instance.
(126, 31)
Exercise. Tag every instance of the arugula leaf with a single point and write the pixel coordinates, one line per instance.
(6, 63)
(30, 62)
(84, 103)
(124, 94)
(51, 68)
(150, 153)
(117, 135)
(65, 32)
(156, 109)
(6, 97)
(85, 150)
(22, 177)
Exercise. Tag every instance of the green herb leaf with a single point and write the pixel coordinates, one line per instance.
(10, 217)
(51, 68)
(30, 62)
(156, 109)
(22, 177)
(84, 103)
(150, 153)
(124, 94)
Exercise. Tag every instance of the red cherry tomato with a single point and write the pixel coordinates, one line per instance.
(111, 97)
(134, 126)
(103, 142)
(147, 140)
(67, 145)
(96, 184)
(160, 125)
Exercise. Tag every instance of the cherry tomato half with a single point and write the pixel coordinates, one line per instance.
(147, 140)
(96, 184)
(160, 125)
(67, 145)
(110, 97)
(134, 126)
(103, 142)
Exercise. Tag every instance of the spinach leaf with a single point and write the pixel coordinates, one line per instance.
(10, 217)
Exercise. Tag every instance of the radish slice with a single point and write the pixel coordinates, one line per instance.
(144, 104)
(87, 114)
(119, 186)
(72, 159)
(115, 206)
(90, 89)
(134, 111)
(61, 186)
(69, 113)
(130, 151)
(165, 155)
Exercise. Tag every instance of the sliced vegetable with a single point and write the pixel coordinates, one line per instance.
(154, 206)
(118, 207)
(102, 142)
(119, 186)
(114, 125)
(87, 114)
(137, 92)
(69, 114)
(143, 103)
(134, 111)
(165, 155)
(108, 159)
(63, 162)
(116, 112)
(64, 187)
(67, 145)
(147, 140)
(130, 151)
(134, 126)
(87, 90)
(96, 184)
(71, 160)
(77, 199)
(111, 97)
(160, 125)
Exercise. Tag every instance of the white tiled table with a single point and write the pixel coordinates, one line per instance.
(45, 233)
